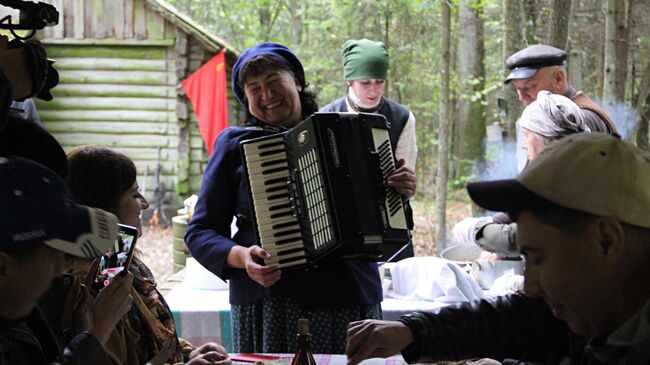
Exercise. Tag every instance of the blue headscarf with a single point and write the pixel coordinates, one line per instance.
(266, 48)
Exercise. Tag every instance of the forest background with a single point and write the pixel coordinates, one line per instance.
(447, 66)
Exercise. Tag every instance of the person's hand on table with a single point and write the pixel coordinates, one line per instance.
(403, 180)
(484, 362)
(263, 275)
(210, 357)
(213, 351)
(374, 338)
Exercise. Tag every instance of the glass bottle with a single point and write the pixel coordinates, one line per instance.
(303, 354)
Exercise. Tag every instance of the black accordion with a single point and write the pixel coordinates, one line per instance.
(318, 189)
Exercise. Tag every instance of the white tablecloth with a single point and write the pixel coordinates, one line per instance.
(204, 315)
(201, 315)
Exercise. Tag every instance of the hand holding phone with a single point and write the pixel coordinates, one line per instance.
(117, 259)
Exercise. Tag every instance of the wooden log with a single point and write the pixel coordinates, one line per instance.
(198, 155)
(114, 64)
(108, 42)
(118, 77)
(143, 154)
(169, 168)
(88, 50)
(112, 140)
(196, 143)
(107, 127)
(107, 103)
(115, 90)
(107, 115)
(195, 184)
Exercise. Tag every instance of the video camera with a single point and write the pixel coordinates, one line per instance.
(33, 16)
(25, 70)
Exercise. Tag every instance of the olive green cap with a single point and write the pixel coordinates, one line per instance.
(364, 59)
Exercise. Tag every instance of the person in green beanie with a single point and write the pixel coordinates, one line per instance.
(365, 69)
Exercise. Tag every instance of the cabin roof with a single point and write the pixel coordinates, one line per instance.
(209, 40)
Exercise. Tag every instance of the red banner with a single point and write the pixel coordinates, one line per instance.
(206, 89)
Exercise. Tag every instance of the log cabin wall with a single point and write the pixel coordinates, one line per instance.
(120, 64)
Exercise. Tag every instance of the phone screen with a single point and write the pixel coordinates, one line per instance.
(118, 258)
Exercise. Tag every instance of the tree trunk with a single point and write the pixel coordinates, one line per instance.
(470, 120)
(441, 178)
(575, 67)
(622, 41)
(296, 22)
(560, 16)
(609, 65)
(513, 42)
(643, 111)
(530, 12)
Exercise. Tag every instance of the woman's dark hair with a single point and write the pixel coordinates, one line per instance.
(98, 176)
(262, 63)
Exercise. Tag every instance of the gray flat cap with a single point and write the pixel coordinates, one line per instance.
(525, 63)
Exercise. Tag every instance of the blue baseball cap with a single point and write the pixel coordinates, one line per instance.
(267, 48)
(38, 208)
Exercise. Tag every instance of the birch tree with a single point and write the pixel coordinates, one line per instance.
(441, 177)
(470, 112)
(643, 111)
(609, 64)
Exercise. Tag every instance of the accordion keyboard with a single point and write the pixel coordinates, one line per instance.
(393, 202)
(278, 228)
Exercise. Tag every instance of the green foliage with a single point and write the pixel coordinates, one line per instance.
(411, 29)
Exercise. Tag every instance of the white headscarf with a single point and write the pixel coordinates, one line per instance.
(553, 116)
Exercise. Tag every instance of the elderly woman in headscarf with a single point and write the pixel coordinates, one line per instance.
(269, 82)
(544, 121)
(547, 119)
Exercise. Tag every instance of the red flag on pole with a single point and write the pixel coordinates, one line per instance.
(206, 89)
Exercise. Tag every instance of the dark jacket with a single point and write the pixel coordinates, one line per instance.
(30, 342)
(509, 327)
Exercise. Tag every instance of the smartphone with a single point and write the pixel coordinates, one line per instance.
(118, 258)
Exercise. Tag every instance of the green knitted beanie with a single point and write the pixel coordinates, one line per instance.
(364, 59)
